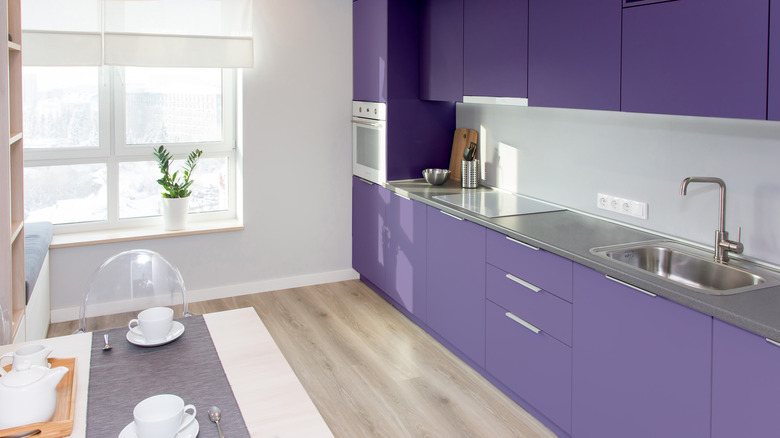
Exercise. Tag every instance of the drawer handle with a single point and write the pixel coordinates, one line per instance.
(773, 342)
(522, 322)
(451, 215)
(401, 196)
(631, 286)
(371, 183)
(522, 243)
(523, 283)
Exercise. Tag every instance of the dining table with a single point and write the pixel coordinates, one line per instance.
(227, 358)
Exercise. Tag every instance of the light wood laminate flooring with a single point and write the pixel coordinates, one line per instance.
(370, 371)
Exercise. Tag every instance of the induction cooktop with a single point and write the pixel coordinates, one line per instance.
(497, 204)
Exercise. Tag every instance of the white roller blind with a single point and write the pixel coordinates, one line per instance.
(149, 33)
(62, 32)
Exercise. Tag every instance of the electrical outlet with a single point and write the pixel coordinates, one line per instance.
(622, 206)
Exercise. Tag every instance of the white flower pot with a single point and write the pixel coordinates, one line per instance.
(174, 211)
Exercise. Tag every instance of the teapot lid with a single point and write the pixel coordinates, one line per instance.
(23, 375)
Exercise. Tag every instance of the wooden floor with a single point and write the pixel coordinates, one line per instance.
(370, 371)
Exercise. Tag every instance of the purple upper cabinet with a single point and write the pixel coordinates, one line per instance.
(773, 105)
(456, 282)
(574, 54)
(495, 48)
(406, 254)
(696, 58)
(369, 50)
(369, 208)
(386, 40)
(641, 364)
(745, 384)
(441, 50)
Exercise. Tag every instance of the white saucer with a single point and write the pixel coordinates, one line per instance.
(191, 431)
(177, 329)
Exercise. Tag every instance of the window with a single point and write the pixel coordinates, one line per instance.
(89, 134)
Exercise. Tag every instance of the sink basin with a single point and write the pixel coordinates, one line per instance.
(687, 266)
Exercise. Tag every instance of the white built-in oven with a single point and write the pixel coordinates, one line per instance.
(369, 141)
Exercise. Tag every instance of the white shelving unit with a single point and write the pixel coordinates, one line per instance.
(12, 294)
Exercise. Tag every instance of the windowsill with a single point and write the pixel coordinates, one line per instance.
(65, 240)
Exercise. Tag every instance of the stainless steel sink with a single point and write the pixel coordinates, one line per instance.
(688, 266)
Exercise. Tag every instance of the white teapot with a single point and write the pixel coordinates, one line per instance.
(28, 394)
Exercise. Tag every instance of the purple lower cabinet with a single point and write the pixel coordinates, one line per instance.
(541, 268)
(745, 384)
(696, 58)
(406, 254)
(535, 366)
(641, 364)
(369, 208)
(574, 54)
(456, 282)
(495, 48)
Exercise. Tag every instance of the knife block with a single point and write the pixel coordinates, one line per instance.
(462, 138)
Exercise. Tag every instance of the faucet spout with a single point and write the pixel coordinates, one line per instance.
(713, 180)
(722, 243)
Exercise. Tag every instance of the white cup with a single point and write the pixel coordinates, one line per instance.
(153, 324)
(161, 416)
(37, 354)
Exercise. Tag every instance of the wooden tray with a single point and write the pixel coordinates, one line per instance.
(61, 423)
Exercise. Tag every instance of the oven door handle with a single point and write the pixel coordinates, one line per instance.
(360, 122)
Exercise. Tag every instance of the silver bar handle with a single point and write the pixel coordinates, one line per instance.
(366, 181)
(523, 322)
(631, 286)
(360, 122)
(522, 243)
(401, 196)
(523, 283)
(451, 215)
(775, 343)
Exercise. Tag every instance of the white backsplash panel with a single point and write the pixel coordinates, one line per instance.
(567, 157)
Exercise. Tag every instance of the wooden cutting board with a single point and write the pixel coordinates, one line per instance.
(462, 138)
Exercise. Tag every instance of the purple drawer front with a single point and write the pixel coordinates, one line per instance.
(542, 309)
(538, 267)
(536, 366)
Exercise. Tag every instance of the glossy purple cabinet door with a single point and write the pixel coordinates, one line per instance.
(641, 366)
(574, 54)
(745, 384)
(456, 282)
(536, 366)
(773, 105)
(369, 50)
(495, 48)
(696, 58)
(406, 254)
(369, 208)
(441, 50)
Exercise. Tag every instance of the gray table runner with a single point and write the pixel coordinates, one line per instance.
(188, 367)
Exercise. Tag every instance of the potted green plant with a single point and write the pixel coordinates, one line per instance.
(176, 186)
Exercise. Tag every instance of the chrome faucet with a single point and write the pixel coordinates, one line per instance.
(722, 243)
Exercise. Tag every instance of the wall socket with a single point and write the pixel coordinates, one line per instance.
(622, 205)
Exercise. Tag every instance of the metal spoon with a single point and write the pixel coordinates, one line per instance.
(215, 415)
(106, 347)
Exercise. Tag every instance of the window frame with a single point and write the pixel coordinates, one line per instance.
(112, 151)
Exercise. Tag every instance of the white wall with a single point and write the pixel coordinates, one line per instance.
(568, 156)
(297, 167)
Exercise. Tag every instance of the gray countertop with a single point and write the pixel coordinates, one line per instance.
(572, 235)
